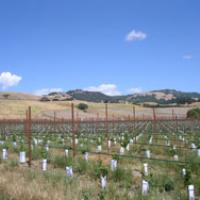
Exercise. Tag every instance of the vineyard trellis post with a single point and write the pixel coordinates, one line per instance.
(134, 118)
(176, 118)
(154, 120)
(106, 122)
(73, 130)
(97, 122)
(28, 131)
(172, 114)
(54, 120)
(25, 125)
(134, 124)
(113, 122)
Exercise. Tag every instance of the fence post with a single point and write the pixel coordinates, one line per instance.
(134, 118)
(73, 129)
(113, 123)
(97, 123)
(154, 120)
(54, 120)
(29, 131)
(106, 123)
(176, 118)
(25, 125)
(172, 114)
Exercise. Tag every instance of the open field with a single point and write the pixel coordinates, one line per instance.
(16, 109)
(155, 159)
(167, 149)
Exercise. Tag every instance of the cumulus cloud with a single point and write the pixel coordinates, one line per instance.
(108, 89)
(46, 91)
(187, 57)
(135, 35)
(8, 79)
(136, 90)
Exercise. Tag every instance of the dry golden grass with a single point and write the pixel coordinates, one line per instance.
(17, 108)
(17, 96)
(22, 183)
(18, 182)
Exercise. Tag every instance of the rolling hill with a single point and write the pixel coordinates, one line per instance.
(17, 96)
(166, 96)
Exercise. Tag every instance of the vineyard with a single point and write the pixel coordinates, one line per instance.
(154, 158)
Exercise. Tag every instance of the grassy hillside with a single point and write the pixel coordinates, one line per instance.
(165, 96)
(88, 96)
(17, 108)
(17, 96)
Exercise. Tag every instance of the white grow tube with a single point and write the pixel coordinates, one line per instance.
(22, 157)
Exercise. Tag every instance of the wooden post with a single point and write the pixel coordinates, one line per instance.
(25, 126)
(54, 121)
(172, 114)
(134, 118)
(113, 122)
(29, 130)
(154, 120)
(106, 123)
(129, 123)
(176, 118)
(97, 123)
(73, 130)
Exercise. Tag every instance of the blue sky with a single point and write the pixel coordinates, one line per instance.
(112, 46)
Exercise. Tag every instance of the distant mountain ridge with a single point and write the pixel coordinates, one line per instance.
(164, 96)
(88, 96)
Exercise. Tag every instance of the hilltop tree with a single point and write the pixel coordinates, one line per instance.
(6, 95)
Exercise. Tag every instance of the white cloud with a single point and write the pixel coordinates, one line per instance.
(136, 35)
(46, 91)
(187, 57)
(8, 79)
(108, 89)
(136, 90)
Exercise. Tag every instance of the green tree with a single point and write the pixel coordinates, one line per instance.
(82, 106)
